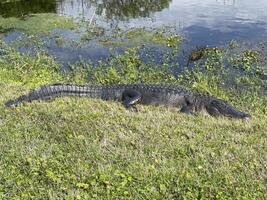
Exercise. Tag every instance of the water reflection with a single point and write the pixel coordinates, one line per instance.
(129, 9)
(222, 19)
(226, 2)
(20, 8)
(112, 9)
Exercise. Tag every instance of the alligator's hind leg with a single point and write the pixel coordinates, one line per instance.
(130, 97)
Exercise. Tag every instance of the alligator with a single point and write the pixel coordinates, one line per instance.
(131, 94)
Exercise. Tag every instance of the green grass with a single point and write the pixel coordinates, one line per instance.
(78, 148)
(89, 148)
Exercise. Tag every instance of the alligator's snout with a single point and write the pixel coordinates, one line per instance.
(219, 107)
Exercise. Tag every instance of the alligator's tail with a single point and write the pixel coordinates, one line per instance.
(57, 90)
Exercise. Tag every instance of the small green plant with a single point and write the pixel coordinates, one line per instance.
(247, 61)
(173, 41)
(25, 69)
(128, 68)
(214, 59)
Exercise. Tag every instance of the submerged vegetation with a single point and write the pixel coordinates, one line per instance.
(78, 148)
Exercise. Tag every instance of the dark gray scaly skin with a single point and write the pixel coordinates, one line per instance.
(131, 94)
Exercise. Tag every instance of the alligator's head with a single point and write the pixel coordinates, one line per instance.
(217, 107)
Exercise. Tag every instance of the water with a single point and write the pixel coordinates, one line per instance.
(202, 22)
(205, 22)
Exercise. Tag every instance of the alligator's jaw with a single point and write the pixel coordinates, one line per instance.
(217, 107)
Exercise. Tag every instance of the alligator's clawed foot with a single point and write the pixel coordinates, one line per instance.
(247, 119)
(130, 98)
(132, 109)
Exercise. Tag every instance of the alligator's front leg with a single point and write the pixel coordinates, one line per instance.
(187, 108)
(130, 97)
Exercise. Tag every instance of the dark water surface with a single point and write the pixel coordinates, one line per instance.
(204, 22)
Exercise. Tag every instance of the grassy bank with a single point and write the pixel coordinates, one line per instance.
(36, 24)
(78, 148)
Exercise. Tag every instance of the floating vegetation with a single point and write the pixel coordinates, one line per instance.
(142, 36)
(94, 32)
(248, 61)
(173, 41)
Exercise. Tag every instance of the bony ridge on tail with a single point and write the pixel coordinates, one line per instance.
(132, 94)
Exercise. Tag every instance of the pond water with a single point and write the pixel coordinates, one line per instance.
(202, 22)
